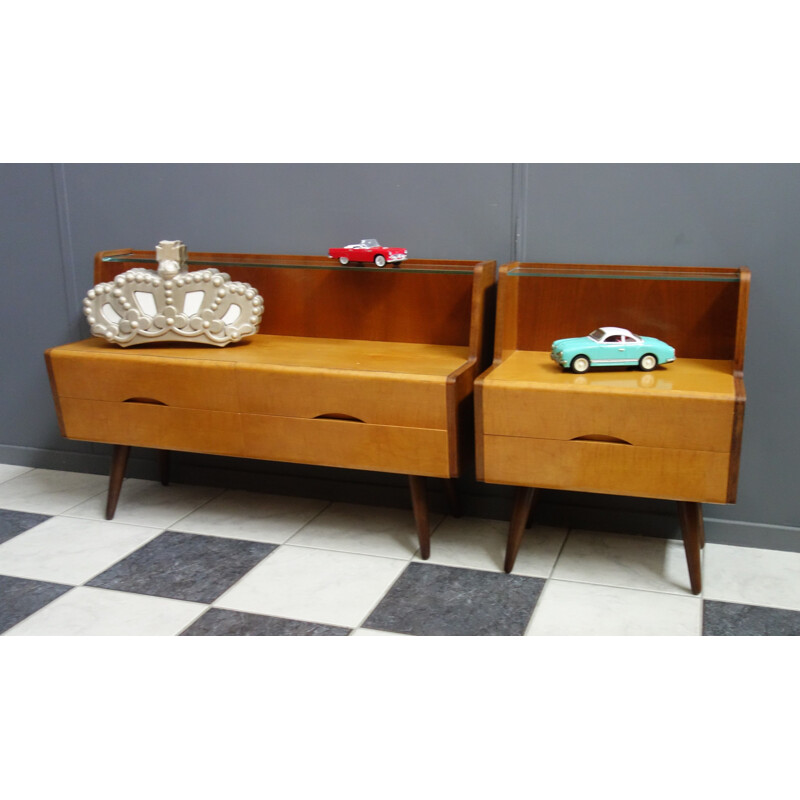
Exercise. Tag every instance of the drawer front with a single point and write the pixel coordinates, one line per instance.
(117, 376)
(607, 468)
(689, 423)
(149, 425)
(371, 397)
(354, 445)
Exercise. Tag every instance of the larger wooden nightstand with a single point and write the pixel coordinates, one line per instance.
(673, 433)
(356, 367)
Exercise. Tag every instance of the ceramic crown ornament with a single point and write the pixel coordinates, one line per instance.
(173, 304)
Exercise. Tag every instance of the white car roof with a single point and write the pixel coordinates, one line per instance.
(609, 329)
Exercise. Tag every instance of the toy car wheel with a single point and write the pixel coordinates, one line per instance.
(344, 261)
(380, 261)
(648, 362)
(580, 364)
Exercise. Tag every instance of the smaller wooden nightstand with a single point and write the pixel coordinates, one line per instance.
(673, 433)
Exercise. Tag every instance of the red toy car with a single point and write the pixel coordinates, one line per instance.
(368, 250)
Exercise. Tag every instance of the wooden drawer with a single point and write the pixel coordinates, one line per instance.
(117, 375)
(354, 445)
(150, 425)
(372, 397)
(690, 404)
(606, 467)
(641, 419)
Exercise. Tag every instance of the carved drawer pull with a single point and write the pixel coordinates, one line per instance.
(147, 400)
(341, 417)
(599, 437)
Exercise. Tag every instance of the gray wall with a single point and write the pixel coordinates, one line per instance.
(54, 218)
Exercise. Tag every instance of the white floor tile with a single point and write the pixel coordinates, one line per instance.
(46, 491)
(8, 471)
(752, 576)
(583, 609)
(148, 503)
(87, 611)
(481, 544)
(66, 550)
(635, 562)
(352, 528)
(252, 516)
(314, 585)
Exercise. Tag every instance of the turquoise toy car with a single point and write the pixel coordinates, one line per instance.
(611, 347)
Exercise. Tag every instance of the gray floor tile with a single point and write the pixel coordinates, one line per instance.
(735, 619)
(184, 566)
(222, 622)
(14, 522)
(434, 600)
(19, 598)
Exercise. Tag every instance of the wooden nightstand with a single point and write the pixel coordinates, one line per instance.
(355, 367)
(673, 433)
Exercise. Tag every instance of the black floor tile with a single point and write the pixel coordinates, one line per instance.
(432, 600)
(20, 597)
(14, 522)
(184, 566)
(221, 622)
(733, 619)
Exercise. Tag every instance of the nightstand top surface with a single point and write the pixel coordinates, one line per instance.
(406, 358)
(685, 376)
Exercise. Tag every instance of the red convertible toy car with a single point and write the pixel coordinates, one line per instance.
(368, 250)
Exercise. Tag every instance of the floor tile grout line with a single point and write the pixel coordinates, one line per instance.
(547, 579)
(687, 594)
(39, 610)
(348, 552)
(327, 505)
(677, 592)
(381, 598)
(105, 589)
(244, 575)
(391, 585)
(86, 499)
(186, 627)
(216, 496)
(66, 515)
(25, 471)
(752, 605)
(281, 616)
(122, 558)
(702, 614)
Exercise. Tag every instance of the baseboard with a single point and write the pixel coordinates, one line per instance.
(565, 509)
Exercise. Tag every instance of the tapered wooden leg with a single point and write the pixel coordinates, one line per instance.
(163, 466)
(419, 502)
(691, 517)
(453, 503)
(523, 501)
(119, 460)
(533, 508)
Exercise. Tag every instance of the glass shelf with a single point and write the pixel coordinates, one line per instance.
(315, 262)
(724, 275)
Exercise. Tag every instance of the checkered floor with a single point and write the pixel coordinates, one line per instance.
(199, 561)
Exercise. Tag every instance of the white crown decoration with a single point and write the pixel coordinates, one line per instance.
(172, 304)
